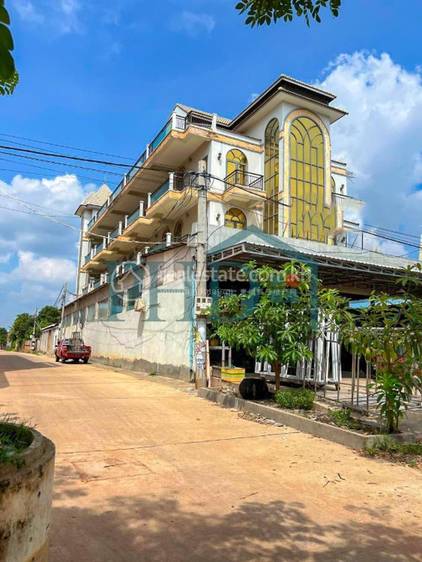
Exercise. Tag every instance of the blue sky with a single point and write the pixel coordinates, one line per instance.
(106, 78)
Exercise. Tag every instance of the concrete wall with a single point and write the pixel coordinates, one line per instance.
(158, 340)
(48, 340)
(25, 504)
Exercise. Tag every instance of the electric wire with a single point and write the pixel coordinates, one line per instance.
(59, 163)
(63, 146)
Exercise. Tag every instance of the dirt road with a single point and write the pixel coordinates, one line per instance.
(147, 471)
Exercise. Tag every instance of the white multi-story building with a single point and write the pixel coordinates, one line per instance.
(273, 193)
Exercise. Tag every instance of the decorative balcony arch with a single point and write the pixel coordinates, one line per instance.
(235, 218)
(307, 177)
(236, 166)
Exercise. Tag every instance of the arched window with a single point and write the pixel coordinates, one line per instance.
(178, 230)
(309, 217)
(271, 177)
(236, 166)
(235, 218)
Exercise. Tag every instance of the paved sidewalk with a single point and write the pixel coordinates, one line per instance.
(147, 471)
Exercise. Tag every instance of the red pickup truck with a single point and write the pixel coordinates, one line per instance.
(73, 349)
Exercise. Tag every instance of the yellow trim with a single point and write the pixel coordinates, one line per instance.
(338, 171)
(328, 200)
(219, 137)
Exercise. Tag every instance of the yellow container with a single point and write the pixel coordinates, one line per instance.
(232, 374)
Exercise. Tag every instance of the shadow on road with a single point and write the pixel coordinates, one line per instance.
(13, 362)
(148, 528)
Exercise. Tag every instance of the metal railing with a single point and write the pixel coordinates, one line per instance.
(158, 193)
(158, 139)
(114, 233)
(133, 217)
(245, 179)
(198, 119)
(177, 122)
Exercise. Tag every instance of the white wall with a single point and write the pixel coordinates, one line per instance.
(135, 339)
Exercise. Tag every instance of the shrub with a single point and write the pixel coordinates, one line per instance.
(388, 445)
(343, 418)
(14, 439)
(295, 399)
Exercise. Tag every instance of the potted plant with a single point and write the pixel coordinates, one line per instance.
(26, 487)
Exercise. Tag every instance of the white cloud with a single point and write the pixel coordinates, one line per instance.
(69, 15)
(28, 12)
(193, 24)
(40, 271)
(5, 258)
(37, 252)
(62, 16)
(381, 139)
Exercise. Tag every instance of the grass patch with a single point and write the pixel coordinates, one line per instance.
(14, 439)
(387, 448)
(295, 399)
(343, 418)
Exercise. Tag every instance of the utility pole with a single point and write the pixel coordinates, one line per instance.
(34, 341)
(201, 273)
(35, 323)
(64, 296)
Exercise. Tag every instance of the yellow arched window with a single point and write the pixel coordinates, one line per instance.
(309, 217)
(271, 177)
(236, 166)
(235, 218)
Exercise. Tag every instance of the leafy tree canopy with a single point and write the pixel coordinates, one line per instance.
(3, 337)
(8, 74)
(21, 329)
(260, 12)
(275, 320)
(48, 315)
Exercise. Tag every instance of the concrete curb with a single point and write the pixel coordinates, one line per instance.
(339, 435)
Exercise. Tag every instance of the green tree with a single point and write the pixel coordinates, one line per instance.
(46, 316)
(277, 318)
(21, 329)
(8, 74)
(3, 338)
(388, 333)
(260, 12)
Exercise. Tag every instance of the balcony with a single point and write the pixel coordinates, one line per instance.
(244, 188)
(177, 193)
(176, 123)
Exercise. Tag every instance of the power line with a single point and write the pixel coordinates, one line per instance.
(40, 215)
(59, 172)
(63, 146)
(60, 163)
(32, 205)
(393, 231)
(69, 157)
(390, 239)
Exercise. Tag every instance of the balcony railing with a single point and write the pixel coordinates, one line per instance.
(176, 122)
(133, 217)
(175, 182)
(245, 179)
(160, 192)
